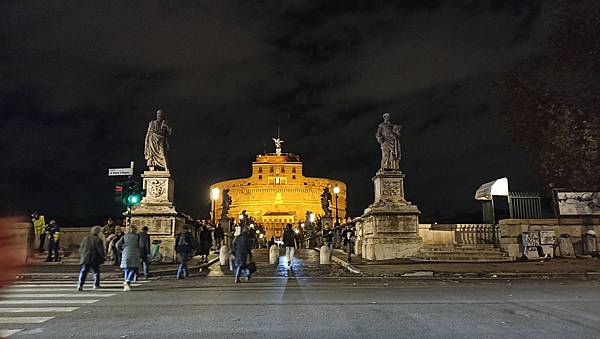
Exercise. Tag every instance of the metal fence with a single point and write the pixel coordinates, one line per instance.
(524, 205)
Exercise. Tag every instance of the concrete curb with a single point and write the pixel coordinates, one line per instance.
(342, 263)
(465, 275)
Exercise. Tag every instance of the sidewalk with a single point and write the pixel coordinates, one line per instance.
(550, 268)
(69, 269)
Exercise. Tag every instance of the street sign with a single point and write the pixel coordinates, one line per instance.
(113, 172)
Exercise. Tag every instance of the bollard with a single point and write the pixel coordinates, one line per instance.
(324, 255)
(224, 255)
(273, 254)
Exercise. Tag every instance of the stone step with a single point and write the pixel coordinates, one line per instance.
(434, 252)
(461, 250)
(465, 260)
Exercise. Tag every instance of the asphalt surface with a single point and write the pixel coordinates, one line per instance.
(299, 303)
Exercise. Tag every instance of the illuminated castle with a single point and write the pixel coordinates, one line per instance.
(278, 193)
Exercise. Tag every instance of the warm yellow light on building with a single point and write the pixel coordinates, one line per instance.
(215, 193)
(277, 193)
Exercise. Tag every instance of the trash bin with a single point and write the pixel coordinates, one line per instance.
(155, 250)
(590, 246)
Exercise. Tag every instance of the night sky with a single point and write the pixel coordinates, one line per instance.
(80, 81)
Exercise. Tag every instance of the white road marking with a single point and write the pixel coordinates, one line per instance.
(89, 281)
(36, 309)
(24, 320)
(74, 285)
(70, 289)
(63, 295)
(8, 333)
(47, 301)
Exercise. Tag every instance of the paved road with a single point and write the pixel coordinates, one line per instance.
(304, 306)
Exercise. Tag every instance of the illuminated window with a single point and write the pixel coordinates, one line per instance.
(260, 170)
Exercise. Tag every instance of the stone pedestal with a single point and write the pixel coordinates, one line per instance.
(390, 226)
(157, 211)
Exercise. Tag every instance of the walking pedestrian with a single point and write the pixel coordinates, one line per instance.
(205, 243)
(327, 234)
(145, 251)
(219, 234)
(183, 248)
(241, 248)
(113, 239)
(349, 240)
(289, 241)
(129, 246)
(53, 233)
(252, 237)
(107, 230)
(92, 255)
(39, 228)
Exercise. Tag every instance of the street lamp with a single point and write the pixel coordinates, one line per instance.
(214, 194)
(336, 190)
(312, 217)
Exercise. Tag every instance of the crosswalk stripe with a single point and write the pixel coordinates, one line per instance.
(89, 281)
(75, 285)
(61, 289)
(64, 295)
(47, 301)
(37, 309)
(24, 320)
(8, 333)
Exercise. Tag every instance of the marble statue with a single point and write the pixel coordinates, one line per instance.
(388, 136)
(325, 200)
(157, 144)
(225, 204)
(278, 143)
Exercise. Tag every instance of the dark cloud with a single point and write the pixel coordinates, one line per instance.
(80, 81)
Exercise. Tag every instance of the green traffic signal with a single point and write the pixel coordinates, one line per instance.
(134, 199)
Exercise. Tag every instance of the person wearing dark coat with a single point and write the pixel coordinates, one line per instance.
(145, 251)
(242, 250)
(183, 248)
(289, 241)
(349, 237)
(205, 243)
(219, 235)
(92, 255)
(53, 232)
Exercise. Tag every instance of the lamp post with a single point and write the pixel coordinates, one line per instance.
(336, 190)
(214, 194)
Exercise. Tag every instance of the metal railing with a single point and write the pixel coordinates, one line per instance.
(525, 205)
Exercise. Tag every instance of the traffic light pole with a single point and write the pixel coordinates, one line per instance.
(128, 215)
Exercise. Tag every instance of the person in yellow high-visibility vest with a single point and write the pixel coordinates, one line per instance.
(39, 228)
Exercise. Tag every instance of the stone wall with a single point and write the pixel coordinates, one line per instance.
(511, 229)
(436, 235)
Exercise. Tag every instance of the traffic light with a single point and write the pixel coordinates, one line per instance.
(132, 193)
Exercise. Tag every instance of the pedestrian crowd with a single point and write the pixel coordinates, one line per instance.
(133, 251)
